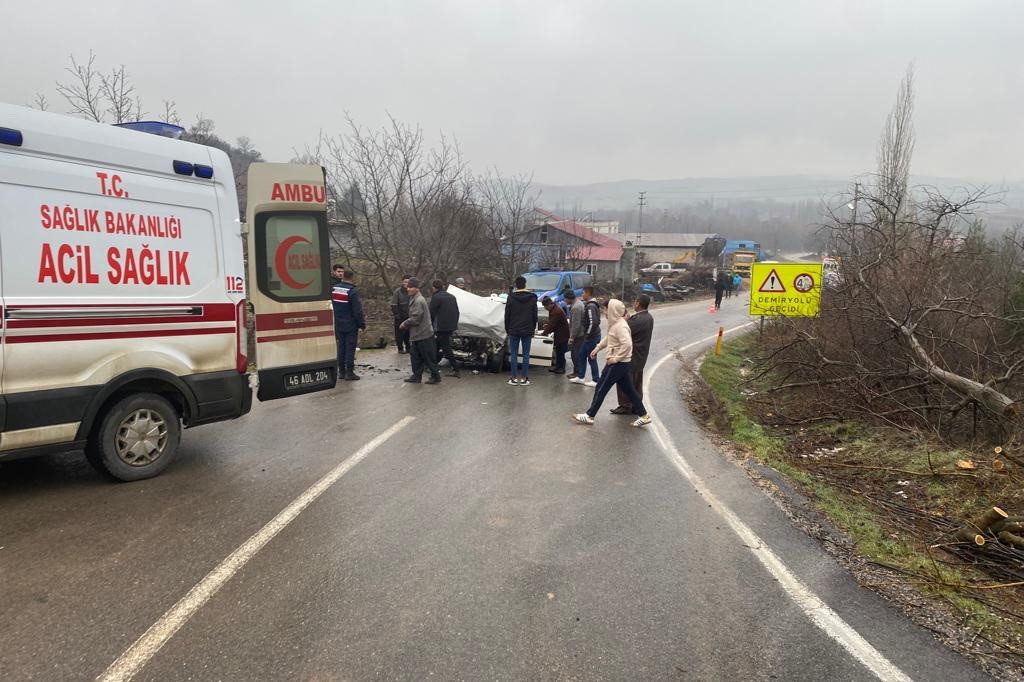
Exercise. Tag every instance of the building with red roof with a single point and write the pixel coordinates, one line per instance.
(559, 243)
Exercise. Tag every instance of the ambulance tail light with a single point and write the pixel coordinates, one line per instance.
(241, 320)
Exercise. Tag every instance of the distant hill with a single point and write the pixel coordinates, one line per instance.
(666, 194)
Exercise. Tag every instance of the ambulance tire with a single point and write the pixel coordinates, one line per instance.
(119, 428)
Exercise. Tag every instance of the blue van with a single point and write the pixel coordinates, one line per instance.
(552, 283)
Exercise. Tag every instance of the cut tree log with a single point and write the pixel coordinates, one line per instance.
(974, 531)
(970, 535)
(1011, 539)
(1013, 524)
(993, 515)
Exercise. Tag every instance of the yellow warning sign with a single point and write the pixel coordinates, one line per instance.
(785, 289)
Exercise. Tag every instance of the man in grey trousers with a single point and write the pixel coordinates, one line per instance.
(422, 350)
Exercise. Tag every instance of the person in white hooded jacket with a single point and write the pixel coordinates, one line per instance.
(619, 346)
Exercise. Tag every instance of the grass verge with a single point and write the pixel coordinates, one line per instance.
(860, 477)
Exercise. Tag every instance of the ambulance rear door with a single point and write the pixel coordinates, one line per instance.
(289, 279)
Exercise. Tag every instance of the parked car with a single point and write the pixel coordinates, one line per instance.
(553, 283)
(661, 269)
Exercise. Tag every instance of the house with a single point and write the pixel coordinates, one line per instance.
(554, 242)
(666, 247)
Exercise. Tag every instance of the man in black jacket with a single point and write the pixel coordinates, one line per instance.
(641, 327)
(520, 325)
(400, 312)
(444, 311)
(591, 337)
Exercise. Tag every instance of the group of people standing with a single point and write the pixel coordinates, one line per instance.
(424, 331)
(725, 284)
(576, 329)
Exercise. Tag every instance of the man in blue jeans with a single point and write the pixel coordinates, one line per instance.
(520, 325)
(591, 337)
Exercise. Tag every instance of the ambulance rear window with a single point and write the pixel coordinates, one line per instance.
(291, 256)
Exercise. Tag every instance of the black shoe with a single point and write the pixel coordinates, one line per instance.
(402, 351)
(412, 380)
(351, 376)
(436, 379)
(555, 370)
(454, 374)
(621, 410)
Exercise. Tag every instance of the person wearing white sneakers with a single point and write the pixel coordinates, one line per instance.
(591, 338)
(619, 346)
(520, 326)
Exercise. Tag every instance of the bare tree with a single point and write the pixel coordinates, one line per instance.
(119, 93)
(414, 211)
(39, 102)
(922, 328)
(170, 112)
(84, 93)
(508, 208)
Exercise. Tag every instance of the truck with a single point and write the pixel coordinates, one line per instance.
(740, 262)
(662, 269)
(125, 293)
(736, 255)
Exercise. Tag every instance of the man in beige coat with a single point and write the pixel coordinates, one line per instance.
(619, 346)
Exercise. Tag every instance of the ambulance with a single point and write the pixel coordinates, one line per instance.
(124, 295)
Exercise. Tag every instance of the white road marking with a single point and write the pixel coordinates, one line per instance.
(132, 660)
(820, 613)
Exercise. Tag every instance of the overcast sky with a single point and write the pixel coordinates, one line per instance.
(575, 91)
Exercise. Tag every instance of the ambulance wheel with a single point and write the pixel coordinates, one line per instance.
(136, 438)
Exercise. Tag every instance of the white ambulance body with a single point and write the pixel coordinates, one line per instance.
(123, 289)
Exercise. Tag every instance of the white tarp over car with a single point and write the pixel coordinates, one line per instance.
(479, 316)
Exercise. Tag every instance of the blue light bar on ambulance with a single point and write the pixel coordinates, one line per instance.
(183, 168)
(154, 128)
(205, 172)
(10, 136)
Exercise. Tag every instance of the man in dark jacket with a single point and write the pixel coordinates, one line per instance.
(348, 322)
(641, 326)
(591, 337)
(400, 312)
(520, 325)
(719, 289)
(558, 325)
(444, 311)
(422, 351)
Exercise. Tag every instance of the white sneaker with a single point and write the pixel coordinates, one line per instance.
(576, 380)
(513, 381)
(590, 384)
(583, 418)
(642, 421)
(524, 382)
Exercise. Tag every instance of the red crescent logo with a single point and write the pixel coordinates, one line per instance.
(281, 262)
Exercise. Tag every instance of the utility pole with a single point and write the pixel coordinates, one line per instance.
(640, 229)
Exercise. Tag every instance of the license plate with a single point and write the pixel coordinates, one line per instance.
(302, 380)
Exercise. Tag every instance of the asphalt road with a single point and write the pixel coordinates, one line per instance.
(490, 538)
